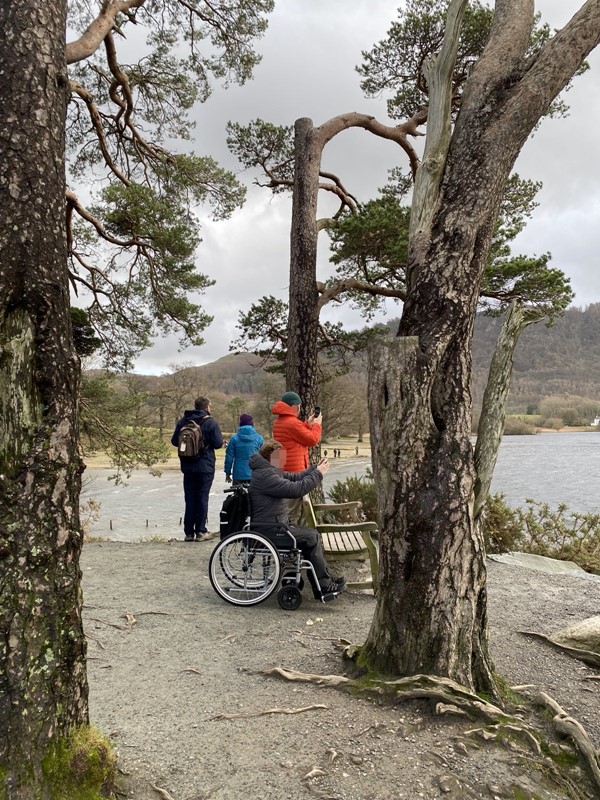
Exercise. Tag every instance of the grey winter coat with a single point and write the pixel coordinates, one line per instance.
(270, 487)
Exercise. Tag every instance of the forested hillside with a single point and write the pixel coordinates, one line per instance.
(550, 363)
(562, 359)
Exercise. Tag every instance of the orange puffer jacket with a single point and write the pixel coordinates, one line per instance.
(295, 436)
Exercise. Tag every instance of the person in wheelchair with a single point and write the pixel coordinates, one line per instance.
(270, 487)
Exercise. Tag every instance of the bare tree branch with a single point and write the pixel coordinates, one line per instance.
(337, 187)
(74, 203)
(93, 36)
(395, 133)
(439, 77)
(96, 119)
(330, 293)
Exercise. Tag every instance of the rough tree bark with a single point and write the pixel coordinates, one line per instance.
(303, 323)
(43, 685)
(304, 301)
(431, 605)
(493, 409)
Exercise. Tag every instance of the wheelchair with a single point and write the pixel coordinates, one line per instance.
(247, 567)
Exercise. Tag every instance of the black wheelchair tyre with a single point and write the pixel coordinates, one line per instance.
(244, 569)
(289, 598)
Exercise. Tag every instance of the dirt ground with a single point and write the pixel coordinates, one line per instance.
(167, 657)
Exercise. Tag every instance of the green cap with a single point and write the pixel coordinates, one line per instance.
(291, 398)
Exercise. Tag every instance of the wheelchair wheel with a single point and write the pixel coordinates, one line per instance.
(289, 579)
(244, 569)
(289, 597)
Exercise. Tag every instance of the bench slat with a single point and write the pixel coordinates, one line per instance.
(346, 542)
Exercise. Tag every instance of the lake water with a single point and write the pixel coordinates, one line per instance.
(552, 468)
(548, 467)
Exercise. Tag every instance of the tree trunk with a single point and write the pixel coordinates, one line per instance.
(431, 605)
(493, 409)
(43, 685)
(303, 323)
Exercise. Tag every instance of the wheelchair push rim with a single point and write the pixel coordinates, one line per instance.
(244, 569)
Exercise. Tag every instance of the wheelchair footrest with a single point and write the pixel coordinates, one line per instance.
(327, 597)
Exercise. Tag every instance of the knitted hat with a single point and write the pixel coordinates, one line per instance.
(291, 398)
(246, 419)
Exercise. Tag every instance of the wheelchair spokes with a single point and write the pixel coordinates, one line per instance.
(244, 569)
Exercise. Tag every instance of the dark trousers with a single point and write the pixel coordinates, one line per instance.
(196, 488)
(309, 542)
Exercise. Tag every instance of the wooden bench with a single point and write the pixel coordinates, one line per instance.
(348, 539)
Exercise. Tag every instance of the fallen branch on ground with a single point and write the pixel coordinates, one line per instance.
(162, 792)
(155, 613)
(95, 639)
(116, 625)
(248, 714)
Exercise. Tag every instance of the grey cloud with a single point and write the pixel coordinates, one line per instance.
(309, 54)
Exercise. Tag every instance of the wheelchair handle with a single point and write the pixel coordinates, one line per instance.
(241, 487)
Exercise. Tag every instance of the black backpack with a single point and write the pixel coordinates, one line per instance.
(190, 443)
(235, 512)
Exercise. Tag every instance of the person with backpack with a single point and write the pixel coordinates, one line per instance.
(240, 447)
(197, 435)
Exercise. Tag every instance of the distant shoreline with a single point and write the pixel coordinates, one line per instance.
(347, 447)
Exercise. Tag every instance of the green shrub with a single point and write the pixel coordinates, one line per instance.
(563, 534)
(357, 488)
(502, 529)
(571, 409)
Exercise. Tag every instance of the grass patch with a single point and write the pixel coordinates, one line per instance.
(81, 766)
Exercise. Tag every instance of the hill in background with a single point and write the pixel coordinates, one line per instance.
(563, 359)
(550, 362)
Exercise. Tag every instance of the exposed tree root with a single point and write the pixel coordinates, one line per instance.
(162, 792)
(322, 795)
(248, 714)
(568, 726)
(314, 773)
(521, 731)
(445, 691)
(587, 656)
(451, 697)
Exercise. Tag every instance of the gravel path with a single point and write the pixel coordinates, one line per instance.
(160, 678)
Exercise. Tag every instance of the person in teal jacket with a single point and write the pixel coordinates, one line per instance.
(239, 449)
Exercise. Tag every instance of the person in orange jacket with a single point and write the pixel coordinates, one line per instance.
(295, 436)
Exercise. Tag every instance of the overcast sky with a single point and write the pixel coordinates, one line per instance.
(310, 51)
